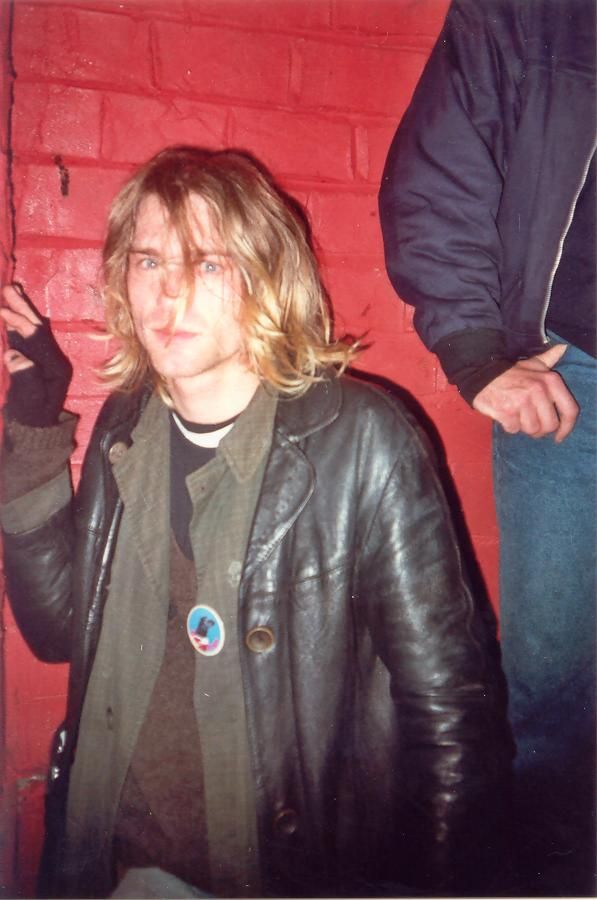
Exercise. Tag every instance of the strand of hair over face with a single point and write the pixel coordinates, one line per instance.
(285, 314)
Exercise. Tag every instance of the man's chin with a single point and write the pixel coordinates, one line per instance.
(174, 364)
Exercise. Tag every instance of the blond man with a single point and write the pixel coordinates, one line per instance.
(280, 683)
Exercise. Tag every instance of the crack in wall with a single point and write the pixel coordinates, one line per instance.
(64, 175)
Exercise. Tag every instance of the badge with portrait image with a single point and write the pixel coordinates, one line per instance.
(205, 630)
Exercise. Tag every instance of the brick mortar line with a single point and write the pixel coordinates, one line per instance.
(355, 188)
(332, 34)
(219, 100)
(340, 116)
(34, 241)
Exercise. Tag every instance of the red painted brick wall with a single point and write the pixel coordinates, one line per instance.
(313, 87)
(7, 787)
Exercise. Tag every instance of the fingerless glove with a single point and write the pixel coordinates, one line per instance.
(36, 395)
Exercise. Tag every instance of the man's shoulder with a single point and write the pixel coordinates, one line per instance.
(122, 408)
(379, 409)
(358, 389)
(346, 425)
(546, 30)
(364, 411)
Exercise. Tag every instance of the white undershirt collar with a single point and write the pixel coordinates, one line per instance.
(208, 439)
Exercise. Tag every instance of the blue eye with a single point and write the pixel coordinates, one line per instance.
(148, 263)
(209, 267)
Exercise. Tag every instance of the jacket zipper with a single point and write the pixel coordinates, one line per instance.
(558, 256)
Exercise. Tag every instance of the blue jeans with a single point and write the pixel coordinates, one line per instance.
(545, 497)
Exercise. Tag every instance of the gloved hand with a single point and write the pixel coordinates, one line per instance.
(40, 372)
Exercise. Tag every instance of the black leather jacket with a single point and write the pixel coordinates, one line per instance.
(376, 724)
(483, 176)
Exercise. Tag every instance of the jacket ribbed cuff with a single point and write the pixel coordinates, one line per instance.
(472, 359)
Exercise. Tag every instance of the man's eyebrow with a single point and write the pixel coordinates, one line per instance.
(198, 252)
(209, 251)
(145, 251)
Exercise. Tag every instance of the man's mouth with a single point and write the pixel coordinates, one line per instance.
(166, 335)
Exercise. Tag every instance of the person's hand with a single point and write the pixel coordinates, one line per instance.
(40, 372)
(531, 398)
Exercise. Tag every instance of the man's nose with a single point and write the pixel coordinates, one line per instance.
(172, 281)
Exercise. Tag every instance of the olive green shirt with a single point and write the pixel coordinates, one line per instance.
(132, 644)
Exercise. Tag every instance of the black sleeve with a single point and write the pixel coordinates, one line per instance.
(441, 651)
(442, 185)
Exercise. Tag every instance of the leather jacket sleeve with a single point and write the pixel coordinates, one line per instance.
(441, 191)
(37, 564)
(38, 534)
(71, 541)
(446, 681)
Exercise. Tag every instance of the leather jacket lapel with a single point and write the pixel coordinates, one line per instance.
(287, 486)
(289, 479)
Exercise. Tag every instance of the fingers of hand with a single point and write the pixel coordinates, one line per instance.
(16, 322)
(536, 402)
(43, 349)
(551, 356)
(510, 424)
(16, 362)
(538, 416)
(17, 312)
(16, 300)
(552, 405)
(568, 411)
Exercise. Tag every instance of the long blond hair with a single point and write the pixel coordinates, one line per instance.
(285, 314)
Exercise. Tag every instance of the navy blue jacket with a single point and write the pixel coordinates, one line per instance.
(483, 175)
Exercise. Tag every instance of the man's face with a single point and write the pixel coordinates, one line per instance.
(203, 346)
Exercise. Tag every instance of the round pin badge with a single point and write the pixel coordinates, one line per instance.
(205, 630)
